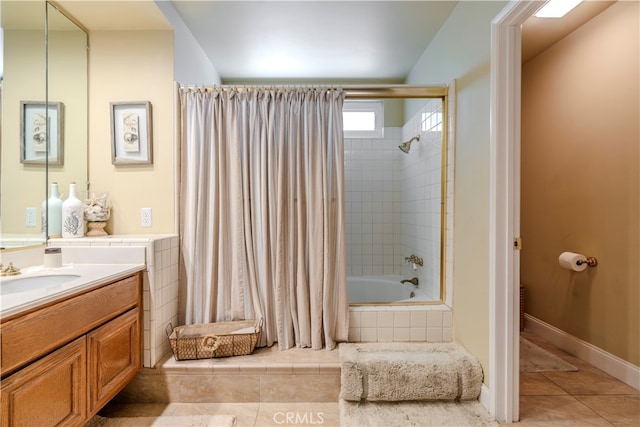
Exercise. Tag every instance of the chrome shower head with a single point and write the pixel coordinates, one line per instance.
(406, 146)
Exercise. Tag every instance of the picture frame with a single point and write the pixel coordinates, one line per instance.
(40, 121)
(131, 133)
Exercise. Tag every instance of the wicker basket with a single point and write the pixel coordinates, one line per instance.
(207, 340)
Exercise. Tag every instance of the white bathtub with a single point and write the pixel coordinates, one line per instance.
(381, 289)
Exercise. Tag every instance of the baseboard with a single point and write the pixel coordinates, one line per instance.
(484, 398)
(607, 362)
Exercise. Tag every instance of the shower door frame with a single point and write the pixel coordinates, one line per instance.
(446, 93)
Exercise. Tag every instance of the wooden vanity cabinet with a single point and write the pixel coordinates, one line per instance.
(65, 361)
(51, 391)
(114, 358)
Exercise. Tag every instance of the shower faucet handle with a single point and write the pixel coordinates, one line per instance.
(413, 281)
(415, 260)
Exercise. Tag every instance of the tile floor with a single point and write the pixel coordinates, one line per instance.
(588, 397)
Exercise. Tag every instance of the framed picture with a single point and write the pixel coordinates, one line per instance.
(41, 132)
(131, 133)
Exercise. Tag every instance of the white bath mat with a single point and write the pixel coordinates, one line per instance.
(408, 371)
(165, 421)
(423, 414)
(536, 359)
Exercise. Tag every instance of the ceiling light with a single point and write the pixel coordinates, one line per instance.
(556, 8)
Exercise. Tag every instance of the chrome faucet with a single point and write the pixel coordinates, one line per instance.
(11, 270)
(413, 281)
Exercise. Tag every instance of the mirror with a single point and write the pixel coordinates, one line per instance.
(44, 60)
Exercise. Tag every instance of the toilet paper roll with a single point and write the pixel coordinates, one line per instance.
(570, 260)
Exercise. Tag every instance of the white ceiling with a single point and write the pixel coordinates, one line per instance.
(335, 40)
(357, 41)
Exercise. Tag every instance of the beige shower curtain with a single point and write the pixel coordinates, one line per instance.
(262, 211)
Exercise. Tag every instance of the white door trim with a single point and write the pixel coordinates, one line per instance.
(504, 270)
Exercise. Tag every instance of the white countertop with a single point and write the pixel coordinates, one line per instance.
(91, 276)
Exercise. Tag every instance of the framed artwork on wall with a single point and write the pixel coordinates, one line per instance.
(41, 132)
(131, 142)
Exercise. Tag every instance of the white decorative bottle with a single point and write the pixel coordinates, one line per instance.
(52, 218)
(72, 214)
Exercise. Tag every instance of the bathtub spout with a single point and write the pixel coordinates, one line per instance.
(413, 281)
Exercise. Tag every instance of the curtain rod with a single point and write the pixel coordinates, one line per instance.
(363, 91)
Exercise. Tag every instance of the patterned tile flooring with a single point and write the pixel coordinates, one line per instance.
(588, 397)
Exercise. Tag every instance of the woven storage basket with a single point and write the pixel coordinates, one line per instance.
(207, 340)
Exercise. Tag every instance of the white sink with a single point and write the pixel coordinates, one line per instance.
(26, 284)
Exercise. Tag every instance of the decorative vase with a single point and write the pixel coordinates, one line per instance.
(52, 216)
(97, 210)
(96, 229)
(72, 215)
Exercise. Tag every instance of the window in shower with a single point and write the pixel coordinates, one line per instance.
(363, 119)
(432, 121)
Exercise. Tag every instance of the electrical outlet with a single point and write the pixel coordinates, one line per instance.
(145, 217)
(30, 217)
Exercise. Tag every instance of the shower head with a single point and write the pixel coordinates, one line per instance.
(406, 146)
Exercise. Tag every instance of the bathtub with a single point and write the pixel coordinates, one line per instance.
(382, 289)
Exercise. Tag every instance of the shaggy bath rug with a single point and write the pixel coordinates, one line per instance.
(165, 421)
(408, 371)
(423, 414)
(536, 359)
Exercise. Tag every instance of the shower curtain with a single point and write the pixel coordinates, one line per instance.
(262, 211)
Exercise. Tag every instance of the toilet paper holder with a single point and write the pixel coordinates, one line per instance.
(590, 261)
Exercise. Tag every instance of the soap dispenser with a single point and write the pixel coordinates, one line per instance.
(72, 214)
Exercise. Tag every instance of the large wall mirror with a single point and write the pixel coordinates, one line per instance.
(44, 107)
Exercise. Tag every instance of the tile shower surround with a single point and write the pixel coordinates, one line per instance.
(392, 200)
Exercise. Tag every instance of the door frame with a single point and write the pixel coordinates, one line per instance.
(504, 199)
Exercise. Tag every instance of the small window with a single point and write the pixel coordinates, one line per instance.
(363, 119)
(432, 121)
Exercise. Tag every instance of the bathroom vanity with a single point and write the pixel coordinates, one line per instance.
(64, 356)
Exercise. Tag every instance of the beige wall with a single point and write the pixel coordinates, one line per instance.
(461, 51)
(67, 68)
(133, 66)
(580, 182)
(24, 80)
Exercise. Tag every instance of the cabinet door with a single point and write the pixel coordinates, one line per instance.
(49, 392)
(114, 358)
